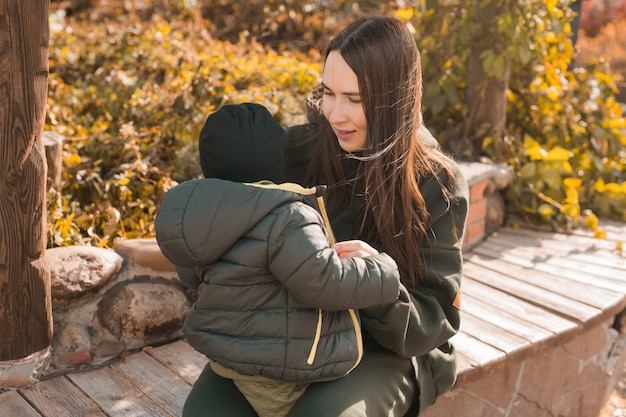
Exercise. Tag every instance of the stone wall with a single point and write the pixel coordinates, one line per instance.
(568, 380)
(107, 302)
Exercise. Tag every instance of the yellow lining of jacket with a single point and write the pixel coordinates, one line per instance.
(289, 186)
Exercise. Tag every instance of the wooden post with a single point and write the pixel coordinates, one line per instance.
(53, 143)
(25, 299)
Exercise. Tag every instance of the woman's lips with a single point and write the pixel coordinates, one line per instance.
(344, 134)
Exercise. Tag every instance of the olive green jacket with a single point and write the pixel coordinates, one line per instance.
(274, 299)
(423, 319)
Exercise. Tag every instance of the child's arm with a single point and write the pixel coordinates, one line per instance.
(188, 276)
(301, 258)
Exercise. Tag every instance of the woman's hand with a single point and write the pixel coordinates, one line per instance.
(354, 249)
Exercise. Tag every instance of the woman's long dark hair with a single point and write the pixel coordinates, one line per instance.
(383, 54)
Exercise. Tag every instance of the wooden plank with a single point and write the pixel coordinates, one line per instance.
(505, 320)
(567, 254)
(59, 397)
(484, 356)
(542, 245)
(12, 404)
(514, 346)
(552, 243)
(467, 369)
(554, 302)
(616, 232)
(114, 395)
(181, 358)
(577, 242)
(506, 305)
(528, 260)
(155, 380)
(583, 292)
(607, 271)
(602, 259)
(594, 252)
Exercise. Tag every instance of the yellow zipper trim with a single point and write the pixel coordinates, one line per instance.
(331, 240)
(320, 203)
(359, 339)
(355, 320)
(316, 340)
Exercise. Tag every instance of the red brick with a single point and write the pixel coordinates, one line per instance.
(477, 211)
(477, 190)
(474, 232)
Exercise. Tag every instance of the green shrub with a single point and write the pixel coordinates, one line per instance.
(131, 93)
(131, 96)
(565, 136)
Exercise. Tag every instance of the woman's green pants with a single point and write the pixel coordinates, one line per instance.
(382, 385)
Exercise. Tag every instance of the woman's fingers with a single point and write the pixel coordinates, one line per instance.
(354, 249)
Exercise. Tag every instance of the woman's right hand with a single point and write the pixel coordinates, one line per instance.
(354, 249)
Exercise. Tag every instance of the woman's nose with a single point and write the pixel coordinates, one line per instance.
(337, 113)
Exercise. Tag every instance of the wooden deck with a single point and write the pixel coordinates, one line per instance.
(522, 290)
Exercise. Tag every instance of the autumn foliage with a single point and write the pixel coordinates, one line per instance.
(130, 88)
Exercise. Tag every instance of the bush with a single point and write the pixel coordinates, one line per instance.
(132, 92)
(131, 96)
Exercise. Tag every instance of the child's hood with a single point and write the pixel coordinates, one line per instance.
(198, 221)
(242, 143)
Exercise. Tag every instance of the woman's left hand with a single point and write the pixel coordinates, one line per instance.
(354, 249)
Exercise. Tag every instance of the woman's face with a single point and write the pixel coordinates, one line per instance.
(342, 105)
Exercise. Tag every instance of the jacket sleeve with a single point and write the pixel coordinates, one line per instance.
(187, 275)
(302, 260)
(425, 317)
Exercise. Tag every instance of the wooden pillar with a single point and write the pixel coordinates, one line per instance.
(25, 299)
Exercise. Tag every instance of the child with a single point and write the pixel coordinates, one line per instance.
(274, 308)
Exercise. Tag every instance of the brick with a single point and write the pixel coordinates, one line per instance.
(477, 211)
(477, 190)
(474, 232)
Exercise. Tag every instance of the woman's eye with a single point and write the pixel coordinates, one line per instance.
(355, 100)
(328, 93)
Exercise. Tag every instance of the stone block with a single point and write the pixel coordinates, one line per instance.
(462, 403)
(146, 252)
(79, 270)
(149, 309)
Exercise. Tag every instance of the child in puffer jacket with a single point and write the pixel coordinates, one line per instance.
(276, 303)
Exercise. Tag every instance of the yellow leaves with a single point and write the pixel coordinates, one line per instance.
(604, 78)
(571, 206)
(601, 187)
(70, 159)
(163, 28)
(533, 149)
(591, 220)
(552, 4)
(546, 211)
(558, 154)
(405, 14)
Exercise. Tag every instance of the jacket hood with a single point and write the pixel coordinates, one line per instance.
(242, 143)
(200, 220)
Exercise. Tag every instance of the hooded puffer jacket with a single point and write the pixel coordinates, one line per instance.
(274, 297)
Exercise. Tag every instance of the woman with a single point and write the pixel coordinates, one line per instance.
(388, 185)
